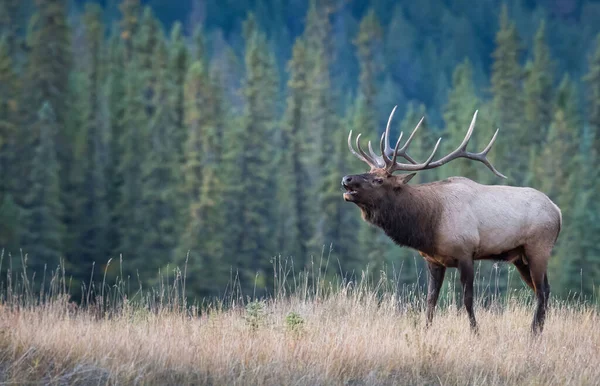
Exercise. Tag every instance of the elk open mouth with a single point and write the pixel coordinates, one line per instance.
(349, 193)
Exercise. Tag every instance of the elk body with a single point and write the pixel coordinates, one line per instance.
(456, 221)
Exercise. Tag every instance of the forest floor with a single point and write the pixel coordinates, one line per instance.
(348, 337)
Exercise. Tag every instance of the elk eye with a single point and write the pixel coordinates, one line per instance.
(378, 181)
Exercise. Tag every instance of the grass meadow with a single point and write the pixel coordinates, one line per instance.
(310, 331)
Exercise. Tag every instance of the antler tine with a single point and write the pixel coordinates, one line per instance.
(389, 152)
(379, 160)
(361, 155)
(388, 149)
(409, 167)
(352, 148)
(465, 141)
(396, 149)
(482, 157)
(368, 159)
(383, 143)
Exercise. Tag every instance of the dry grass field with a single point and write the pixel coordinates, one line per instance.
(343, 336)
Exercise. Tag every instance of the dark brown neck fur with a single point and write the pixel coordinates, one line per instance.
(410, 217)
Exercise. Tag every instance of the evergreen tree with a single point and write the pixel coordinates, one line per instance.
(9, 126)
(145, 43)
(538, 89)
(203, 237)
(42, 236)
(130, 11)
(9, 108)
(252, 174)
(567, 100)
(128, 210)
(116, 106)
(10, 22)
(578, 250)
(338, 223)
(49, 59)
(92, 219)
(160, 173)
(295, 229)
(592, 80)
(555, 156)
(178, 64)
(511, 150)
(458, 113)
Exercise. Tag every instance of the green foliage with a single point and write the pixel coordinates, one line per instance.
(295, 229)
(507, 99)
(92, 219)
(462, 104)
(294, 322)
(255, 314)
(592, 80)
(160, 172)
(538, 88)
(43, 228)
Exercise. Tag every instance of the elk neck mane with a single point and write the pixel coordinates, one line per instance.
(409, 216)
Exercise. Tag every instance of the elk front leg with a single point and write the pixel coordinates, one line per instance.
(467, 276)
(436, 279)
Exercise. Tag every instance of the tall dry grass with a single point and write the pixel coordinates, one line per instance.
(307, 333)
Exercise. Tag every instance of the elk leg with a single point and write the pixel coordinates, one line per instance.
(546, 289)
(466, 278)
(436, 279)
(524, 271)
(537, 267)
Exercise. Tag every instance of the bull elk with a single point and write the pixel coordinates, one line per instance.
(453, 222)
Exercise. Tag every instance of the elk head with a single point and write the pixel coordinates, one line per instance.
(368, 189)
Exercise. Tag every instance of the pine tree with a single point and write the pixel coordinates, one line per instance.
(253, 175)
(49, 79)
(93, 219)
(458, 112)
(567, 100)
(556, 155)
(507, 102)
(339, 221)
(9, 108)
(320, 122)
(130, 11)
(178, 64)
(160, 173)
(49, 60)
(10, 226)
(578, 242)
(538, 89)
(145, 42)
(116, 106)
(592, 80)
(128, 211)
(294, 230)
(368, 44)
(42, 238)
(10, 24)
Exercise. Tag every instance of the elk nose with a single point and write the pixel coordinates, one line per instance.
(346, 180)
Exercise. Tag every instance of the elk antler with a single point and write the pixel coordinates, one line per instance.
(390, 165)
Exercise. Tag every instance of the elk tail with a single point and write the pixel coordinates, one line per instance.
(559, 222)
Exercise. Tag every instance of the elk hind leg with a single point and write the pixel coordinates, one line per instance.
(524, 271)
(538, 262)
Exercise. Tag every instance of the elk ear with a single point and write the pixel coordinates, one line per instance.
(404, 178)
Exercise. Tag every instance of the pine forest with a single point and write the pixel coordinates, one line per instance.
(208, 138)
